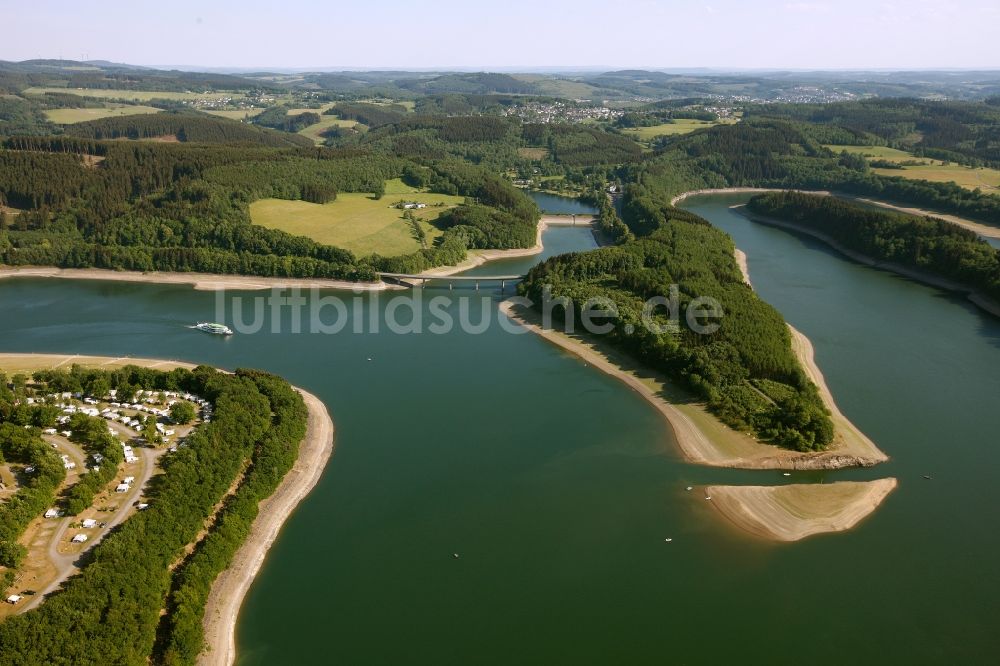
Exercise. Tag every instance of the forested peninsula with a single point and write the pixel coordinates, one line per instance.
(746, 371)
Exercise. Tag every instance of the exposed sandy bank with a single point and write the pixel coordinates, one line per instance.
(200, 281)
(793, 512)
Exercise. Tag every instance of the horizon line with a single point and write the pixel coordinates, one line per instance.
(528, 68)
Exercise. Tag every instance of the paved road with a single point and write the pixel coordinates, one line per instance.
(65, 563)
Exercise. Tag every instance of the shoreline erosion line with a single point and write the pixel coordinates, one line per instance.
(981, 229)
(229, 589)
(198, 281)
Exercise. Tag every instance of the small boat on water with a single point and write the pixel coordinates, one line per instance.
(214, 329)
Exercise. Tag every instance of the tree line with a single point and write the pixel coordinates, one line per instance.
(194, 127)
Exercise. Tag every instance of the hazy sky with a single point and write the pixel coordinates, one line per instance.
(507, 34)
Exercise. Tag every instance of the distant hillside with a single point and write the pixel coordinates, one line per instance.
(102, 75)
(481, 83)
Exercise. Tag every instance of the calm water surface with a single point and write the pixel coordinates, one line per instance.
(557, 486)
(553, 203)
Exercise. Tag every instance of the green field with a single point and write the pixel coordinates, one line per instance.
(70, 116)
(988, 180)
(680, 126)
(139, 95)
(356, 222)
(874, 152)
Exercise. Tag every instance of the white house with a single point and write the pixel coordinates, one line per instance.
(52, 513)
(122, 488)
(79, 538)
(89, 523)
(14, 598)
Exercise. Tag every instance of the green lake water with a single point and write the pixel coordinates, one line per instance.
(557, 486)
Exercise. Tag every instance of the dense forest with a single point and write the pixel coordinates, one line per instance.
(963, 132)
(186, 126)
(112, 608)
(373, 115)
(926, 244)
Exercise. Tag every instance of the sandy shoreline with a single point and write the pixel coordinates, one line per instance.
(793, 512)
(13, 362)
(231, 586)
(200, 281)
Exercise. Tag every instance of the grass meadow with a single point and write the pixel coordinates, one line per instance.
(356, 221)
